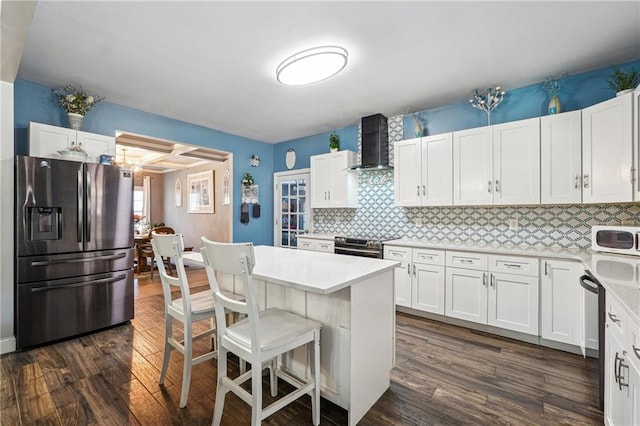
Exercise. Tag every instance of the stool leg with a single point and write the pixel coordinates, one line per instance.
(168, 321)
(273, 377)
(315, 397)
(256, 392)
(221, 390)
(188, 362)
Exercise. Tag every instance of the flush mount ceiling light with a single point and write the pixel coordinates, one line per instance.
(312, 65)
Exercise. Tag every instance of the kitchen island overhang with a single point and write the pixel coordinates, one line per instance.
(353, 298)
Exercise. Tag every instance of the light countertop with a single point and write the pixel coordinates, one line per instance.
(312, 271)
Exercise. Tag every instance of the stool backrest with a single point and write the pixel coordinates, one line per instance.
(171, 245)
(237, 259)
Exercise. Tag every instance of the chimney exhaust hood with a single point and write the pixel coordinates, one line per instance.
(374, 154)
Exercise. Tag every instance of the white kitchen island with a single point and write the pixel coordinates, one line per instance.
(353, 298)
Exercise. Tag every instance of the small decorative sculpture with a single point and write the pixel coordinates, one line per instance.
(487, 100)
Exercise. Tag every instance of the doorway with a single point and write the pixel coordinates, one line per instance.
(163, 170)
(291, 207)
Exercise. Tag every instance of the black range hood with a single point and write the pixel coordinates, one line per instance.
(374, 153)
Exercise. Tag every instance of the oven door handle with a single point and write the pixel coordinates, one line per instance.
(345, 250)
(587, 283)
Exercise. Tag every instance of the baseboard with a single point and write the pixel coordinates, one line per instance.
(7, 345)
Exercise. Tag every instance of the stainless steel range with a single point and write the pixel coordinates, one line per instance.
(364, 247)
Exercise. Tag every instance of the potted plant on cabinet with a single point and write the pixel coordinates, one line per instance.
(334, 142)
(622, 81)
(76, 103)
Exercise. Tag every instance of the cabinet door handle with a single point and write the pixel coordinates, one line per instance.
(546, 268)
(329, 194)
(424, 190)
(408, 269)
(466, 261)
(613, 317)
(418, 191)
(497, 185)
(618, 373)
(414, 269)
(576, 184)
(489, 187)
(493, 281)
(484, 279)
(585, 181)
(513, 266)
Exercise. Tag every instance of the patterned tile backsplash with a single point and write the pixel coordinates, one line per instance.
(551, 226)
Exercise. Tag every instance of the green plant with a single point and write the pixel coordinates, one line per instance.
(75, 100)
(334, 140)
(247, 180)
(621, 80)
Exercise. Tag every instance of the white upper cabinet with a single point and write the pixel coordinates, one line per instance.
(497, 165)
(472, 167)
(607, 151)
(423, 171)
(516, 162)
(437, 170)
(331, 184)
(561, 158)
(407, 172)
(46, 141)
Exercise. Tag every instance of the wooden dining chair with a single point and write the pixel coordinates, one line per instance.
(261, 337)
(188, 309)
(145, 250)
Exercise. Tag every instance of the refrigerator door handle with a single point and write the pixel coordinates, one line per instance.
(83, 260)
(80, 207)
(89, 201)
(79, 284)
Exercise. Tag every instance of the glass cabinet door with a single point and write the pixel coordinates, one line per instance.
(292, 218)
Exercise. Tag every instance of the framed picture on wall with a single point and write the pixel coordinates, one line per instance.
(178, 192)
(200, 194)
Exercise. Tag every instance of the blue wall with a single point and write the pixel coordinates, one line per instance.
(34, 102)
(313, 145)
(576, 92)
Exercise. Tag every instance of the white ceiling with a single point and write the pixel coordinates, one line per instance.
(213, 63)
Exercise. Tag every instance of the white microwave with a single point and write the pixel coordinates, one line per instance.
(616, 239)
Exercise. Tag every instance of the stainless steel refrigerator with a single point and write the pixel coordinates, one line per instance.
(74, 248)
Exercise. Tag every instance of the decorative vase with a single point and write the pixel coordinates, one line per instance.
(417, 130)
(333, 149)
(75, 120)
(554, 105)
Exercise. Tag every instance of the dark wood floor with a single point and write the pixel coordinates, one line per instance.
(444, 375)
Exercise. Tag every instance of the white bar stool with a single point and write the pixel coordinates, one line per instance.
(188, 308)
(258, 338)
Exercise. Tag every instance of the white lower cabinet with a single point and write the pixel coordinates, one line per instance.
(478, 290)
(559, 289)
(401, 274)
(622, 367)
(419, 280)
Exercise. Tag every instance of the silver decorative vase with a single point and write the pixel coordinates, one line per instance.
(75, 120)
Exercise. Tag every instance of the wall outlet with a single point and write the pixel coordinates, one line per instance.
(417, 221)
(513, 224)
